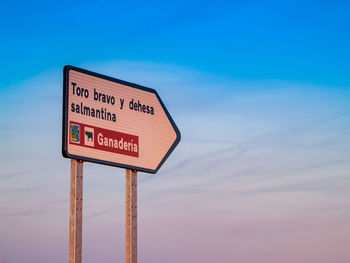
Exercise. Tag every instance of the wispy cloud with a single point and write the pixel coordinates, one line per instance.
(93, 215)
(21, 173)
(26, 189)
(30, 212)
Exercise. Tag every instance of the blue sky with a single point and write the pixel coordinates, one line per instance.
(294, 40)
(260, 93)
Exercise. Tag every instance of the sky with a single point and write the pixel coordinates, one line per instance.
(260, 92)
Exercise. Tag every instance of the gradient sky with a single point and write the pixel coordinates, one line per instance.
(260, 92)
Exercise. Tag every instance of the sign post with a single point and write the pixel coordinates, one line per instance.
(113, 122)
(76, 211)
(131, 216)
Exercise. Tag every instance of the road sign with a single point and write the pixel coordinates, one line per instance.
(114, 122)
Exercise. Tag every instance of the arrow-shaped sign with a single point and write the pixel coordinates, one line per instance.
(114, 122)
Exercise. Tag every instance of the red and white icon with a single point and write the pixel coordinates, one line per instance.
(89, 136)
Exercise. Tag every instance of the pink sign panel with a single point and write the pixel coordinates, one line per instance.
(114, 122)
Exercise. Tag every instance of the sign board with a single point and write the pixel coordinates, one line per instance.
(114, 122)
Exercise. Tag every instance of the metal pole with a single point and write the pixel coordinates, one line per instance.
(76, 210)
(131, 216)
